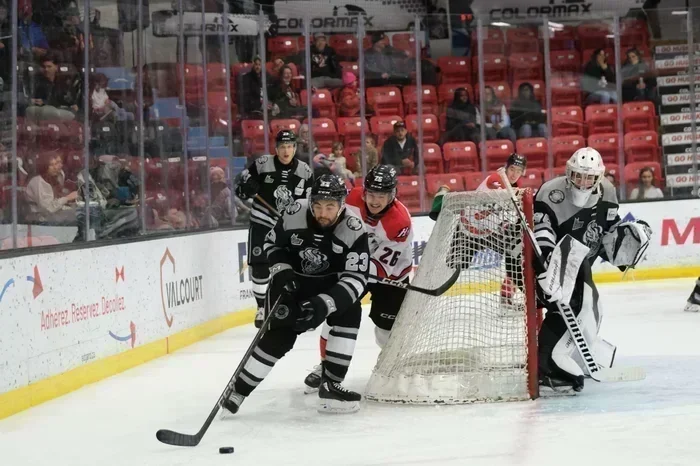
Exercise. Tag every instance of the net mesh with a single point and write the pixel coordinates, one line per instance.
(471, 343)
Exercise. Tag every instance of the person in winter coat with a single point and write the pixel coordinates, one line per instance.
(599, 79)
(496, 117)
(462, 119)
(526, 114)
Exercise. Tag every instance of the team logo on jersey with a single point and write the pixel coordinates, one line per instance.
(354, 223)
(404, 232)
(313, 261)
(556, 196)
(282, 312)
(577, 224)
(592, 237)
(283, 197)
(262, 159)
(295, 240)
(269, 179)
(293, 208)
(612, 213)
(338, 249)
(257, 251)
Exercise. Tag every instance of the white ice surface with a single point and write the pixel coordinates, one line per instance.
(652, 422)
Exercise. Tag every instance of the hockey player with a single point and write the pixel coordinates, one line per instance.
(490, 229)
(582, 204)
(693, 304)
(388, 223)
(279, 180)
(319, 261)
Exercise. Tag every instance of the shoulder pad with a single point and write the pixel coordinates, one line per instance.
(609, 192)
(350, 228)
(295, 215)
(397, 222)
(303, 170)
(265, 164)
(553, 191)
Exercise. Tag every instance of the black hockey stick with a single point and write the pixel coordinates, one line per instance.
(598, 373)
(388, 281)
(187, 440)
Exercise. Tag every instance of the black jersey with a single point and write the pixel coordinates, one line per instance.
(279, 185)
(334, 261)
(556, 216)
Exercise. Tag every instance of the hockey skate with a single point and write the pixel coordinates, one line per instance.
(231, 405)
(692, 307)
(553, 386)
(333, 398)
(313, 380)
(512, 299)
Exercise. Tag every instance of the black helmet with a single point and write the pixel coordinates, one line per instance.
(517, 160)
(328, 187)
(381, 179)
(286, 136)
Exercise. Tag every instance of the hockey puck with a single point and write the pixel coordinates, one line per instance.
(224, 450)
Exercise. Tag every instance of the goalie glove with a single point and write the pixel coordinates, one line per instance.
(627, 243)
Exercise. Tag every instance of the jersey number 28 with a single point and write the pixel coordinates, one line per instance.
(357, 262)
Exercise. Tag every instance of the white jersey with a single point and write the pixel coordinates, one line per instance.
(390, 237)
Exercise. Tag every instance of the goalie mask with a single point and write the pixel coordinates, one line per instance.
(584, 172)
(327, 188)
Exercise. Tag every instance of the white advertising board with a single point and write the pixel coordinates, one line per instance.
(60, 310)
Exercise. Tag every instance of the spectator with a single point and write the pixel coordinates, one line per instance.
(32, 41)
(221, 196)
(69, 40)
(251, 95)
(49, 14)
(325, 69)
(611, 178)
(54, 97)
(5, 51)
(526, 114)
(337, 156)
(45, 194)
(462, 119)
(277, 65)
(385, 65)
(370, 153)
(599, 80)
(303, 142)
(323, 165)
(400, 150)
(349, 100)
(496, 118)
(286, 102)
(646, 189)
(101, 106)
(638, 80)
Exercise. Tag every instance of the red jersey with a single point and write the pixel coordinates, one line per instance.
(390, 237)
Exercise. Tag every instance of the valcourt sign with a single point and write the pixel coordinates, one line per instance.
(177, 291)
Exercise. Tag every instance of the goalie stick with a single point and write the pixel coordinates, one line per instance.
(187, 440)
(388, 281)
(597, 373)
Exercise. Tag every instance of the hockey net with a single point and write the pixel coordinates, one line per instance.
(470, 344)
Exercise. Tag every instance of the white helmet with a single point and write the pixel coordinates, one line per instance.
(584, 171)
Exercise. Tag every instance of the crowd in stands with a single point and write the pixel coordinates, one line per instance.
(455, 119)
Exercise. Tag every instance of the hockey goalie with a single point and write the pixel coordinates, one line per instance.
(576, 221)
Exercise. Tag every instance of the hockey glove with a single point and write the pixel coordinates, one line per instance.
(627, 243)
(286, 312)
(246, 186)
(282, 279)
(312, 313)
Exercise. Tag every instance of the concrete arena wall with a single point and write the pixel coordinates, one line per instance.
(76, 317)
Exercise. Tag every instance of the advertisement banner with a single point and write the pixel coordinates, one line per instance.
(61, 310)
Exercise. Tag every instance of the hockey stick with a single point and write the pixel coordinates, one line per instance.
(388, 281)
(186, 440)
(597, 373)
